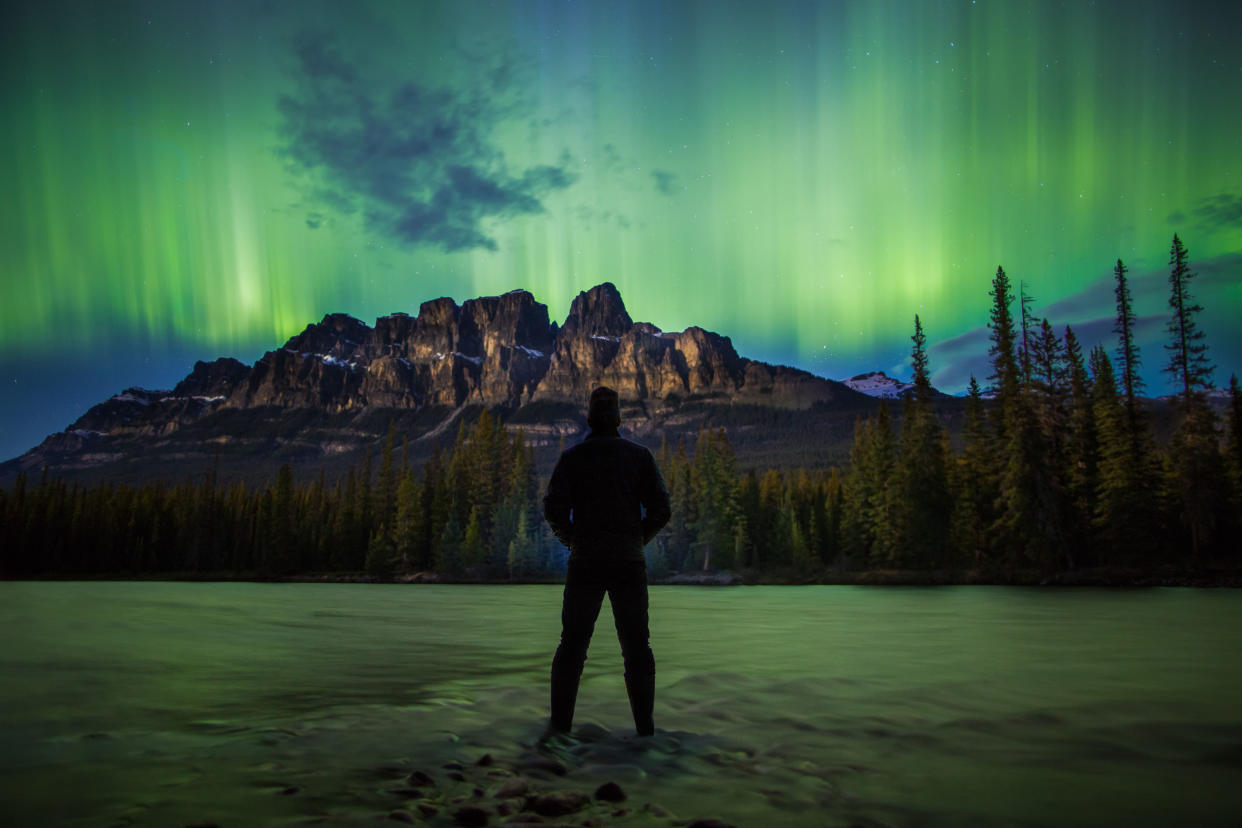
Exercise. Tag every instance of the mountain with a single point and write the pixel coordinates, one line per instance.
(330, 393)
(880, 385)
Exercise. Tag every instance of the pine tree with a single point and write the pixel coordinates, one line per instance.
(408, 532)
(1128, 357)
(1027, 333)
(1188, 360)
(1082, 452)
(386, 490)
(918, 491)
(473, 550)
(1005, 376)
(975, 484)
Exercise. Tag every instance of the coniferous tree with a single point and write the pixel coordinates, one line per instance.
(1026, 333)
(1082, 452)
(919, 490)
(1188, 360)
(1005, 376)
(1128, 357)
(974, 485)
(408, 530)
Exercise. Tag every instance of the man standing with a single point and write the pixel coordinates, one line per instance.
(605, 501)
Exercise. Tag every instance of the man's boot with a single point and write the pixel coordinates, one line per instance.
(641, 690)
(564, 696)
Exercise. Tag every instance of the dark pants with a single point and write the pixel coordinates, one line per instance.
(585, 585)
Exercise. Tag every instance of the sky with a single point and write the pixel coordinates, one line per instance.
(186, 181)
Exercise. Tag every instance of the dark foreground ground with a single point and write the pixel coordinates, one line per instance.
(1206, 576)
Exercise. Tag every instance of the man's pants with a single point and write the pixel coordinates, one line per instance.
(585, 585)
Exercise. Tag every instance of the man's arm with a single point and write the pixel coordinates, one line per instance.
(557, 504)
(654, 500)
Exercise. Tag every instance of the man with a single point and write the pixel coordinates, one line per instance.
(605, 501)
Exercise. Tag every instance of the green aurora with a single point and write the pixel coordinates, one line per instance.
(197, 180)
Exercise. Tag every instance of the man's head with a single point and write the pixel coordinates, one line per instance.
(604, 413)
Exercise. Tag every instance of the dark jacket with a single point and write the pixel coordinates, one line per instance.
(606, 498)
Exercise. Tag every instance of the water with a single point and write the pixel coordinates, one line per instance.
(189, 703)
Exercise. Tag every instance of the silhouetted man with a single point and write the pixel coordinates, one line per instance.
(605, 501)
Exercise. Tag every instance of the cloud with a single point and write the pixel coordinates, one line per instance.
(1222, 211)
(418, 161)
(665, 181)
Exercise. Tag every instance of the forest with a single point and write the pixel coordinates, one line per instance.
(1059, 469)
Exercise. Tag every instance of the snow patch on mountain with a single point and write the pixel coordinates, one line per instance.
(879, 384)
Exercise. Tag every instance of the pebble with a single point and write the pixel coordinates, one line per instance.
(419, 779)
(540, 763)
(558, 803)
(427, 810)
(610, 792)
(401, 816)
(709, 823)
(514, 786)
(657, 811)
(471, 816)
(455, 766)
(485, 760)
(455, 776)
(292, 789)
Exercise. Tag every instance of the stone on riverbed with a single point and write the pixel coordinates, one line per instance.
(558, 803)
(610, 792)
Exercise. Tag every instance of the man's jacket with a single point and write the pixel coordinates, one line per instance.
(606, 498)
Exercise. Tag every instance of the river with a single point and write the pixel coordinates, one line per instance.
(174, 703)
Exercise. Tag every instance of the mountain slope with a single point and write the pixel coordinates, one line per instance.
(330, 391)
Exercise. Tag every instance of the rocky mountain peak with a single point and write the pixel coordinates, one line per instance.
(212, 379)
(337, 334)
(598, 312)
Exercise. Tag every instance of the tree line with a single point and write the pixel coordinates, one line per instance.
(1059, 468)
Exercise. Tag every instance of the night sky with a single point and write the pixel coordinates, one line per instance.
(186, 181)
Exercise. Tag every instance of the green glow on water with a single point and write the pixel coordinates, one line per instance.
(173, 703)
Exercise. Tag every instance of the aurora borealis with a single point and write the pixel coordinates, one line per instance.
(186, 181)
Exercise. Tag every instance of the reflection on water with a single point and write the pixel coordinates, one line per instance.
(239, 704)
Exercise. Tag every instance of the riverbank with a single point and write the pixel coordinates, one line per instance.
(1203, 577)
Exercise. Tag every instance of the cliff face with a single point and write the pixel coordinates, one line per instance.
(500, 352)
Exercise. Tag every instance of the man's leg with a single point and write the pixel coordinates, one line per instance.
(627, 590)
(584, 593)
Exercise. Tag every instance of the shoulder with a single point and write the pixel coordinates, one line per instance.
(637, 449)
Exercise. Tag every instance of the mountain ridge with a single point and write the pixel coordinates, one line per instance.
(324, 391)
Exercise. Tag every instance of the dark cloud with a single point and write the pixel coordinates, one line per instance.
(665, 181)
(418, 161)
(1223, 211)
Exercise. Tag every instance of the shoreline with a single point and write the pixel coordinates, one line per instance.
(1097, 577)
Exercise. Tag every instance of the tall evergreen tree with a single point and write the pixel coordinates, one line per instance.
(1128, 357)
(1082, 451)
(1188, 359)
(974, 485)
(919, 486)
(1027, 334)
(1005, 376)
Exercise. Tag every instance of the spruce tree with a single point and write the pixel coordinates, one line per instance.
(974, 486)
(1005, 375)
(1082, 451)
(919, 487)
(1128, 357)
(1188, 360)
